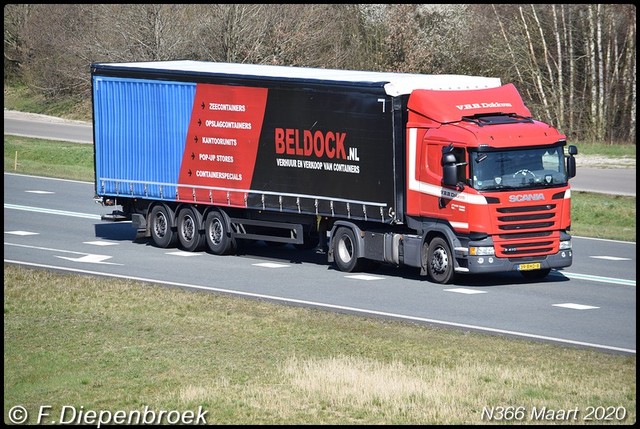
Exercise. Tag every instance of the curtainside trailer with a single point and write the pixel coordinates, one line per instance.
(446, 173)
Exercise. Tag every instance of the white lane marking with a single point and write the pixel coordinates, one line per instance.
(101, 243)
(575, 306)
(181, 253)
(40, 192)
(610, 258)
(599, 279)
(332, 306)
(270, 265)
(21, 233)
(605, 239)
(364, 277)
(46, 248)
(91, 259)
(51, 211)
(86, 257)
(465, 291)
(49, 178)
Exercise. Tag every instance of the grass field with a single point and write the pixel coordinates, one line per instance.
(80, 344)
(122, 345)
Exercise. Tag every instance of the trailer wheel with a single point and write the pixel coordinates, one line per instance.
(439, 261)
(189, 225)
(160, 224)
(345, 250)
(536, 274)
(217, 234)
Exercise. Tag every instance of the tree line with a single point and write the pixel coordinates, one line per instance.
(574, 64)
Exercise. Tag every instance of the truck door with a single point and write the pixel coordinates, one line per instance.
(448, 202)
(427, 197)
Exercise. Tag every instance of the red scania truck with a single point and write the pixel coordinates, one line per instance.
(446, 173)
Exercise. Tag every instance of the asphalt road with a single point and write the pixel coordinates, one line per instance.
(614, 181)
(54, 224)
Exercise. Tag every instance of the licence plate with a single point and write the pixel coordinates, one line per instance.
(529, 267)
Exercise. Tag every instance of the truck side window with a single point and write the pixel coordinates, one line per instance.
(434, 161)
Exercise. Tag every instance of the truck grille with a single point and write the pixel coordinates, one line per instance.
(527, 231)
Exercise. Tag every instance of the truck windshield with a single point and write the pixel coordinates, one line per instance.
(518, 169)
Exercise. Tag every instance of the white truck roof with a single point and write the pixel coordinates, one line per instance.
(394, 83)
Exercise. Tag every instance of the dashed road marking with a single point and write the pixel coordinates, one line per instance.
(465, 291)
(180, 253)
(91, 259)
(270, 265)
(101, 243)
(610, 258)
(40, 192)
(575, 306)
(364, 277)
(21, 233)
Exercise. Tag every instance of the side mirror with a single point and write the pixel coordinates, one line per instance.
(449, 170)
(571, 167)
(571, 161)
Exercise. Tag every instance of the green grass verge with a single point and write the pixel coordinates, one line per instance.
(121, 345)
(603, 216)
(47, 158)
(23, 99)
(603, 149)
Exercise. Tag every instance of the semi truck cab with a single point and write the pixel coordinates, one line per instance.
(489, 178)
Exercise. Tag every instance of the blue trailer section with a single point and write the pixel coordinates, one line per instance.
(140, 129)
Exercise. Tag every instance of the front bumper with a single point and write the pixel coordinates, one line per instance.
(492, 264)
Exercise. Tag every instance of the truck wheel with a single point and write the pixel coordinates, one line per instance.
(439, 261)
(189, 225)
(160, 224)
(217, 235)
(345, 250)
(536, 274)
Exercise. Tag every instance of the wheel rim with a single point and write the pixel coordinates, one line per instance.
(345, 249)
(215, 232)
(188, 228)
(160, 225)
(439, 261)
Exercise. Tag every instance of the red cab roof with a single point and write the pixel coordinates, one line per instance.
(451, 106)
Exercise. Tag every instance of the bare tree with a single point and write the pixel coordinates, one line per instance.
(577, 71)
(566, 40)
(15, 17)
(142, 32)
(52, 58)
(231, 32)
(620, 63)
(574, 64)
(629, 75)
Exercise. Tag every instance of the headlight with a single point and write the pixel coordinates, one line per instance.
(564, 245)
(481, 251)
